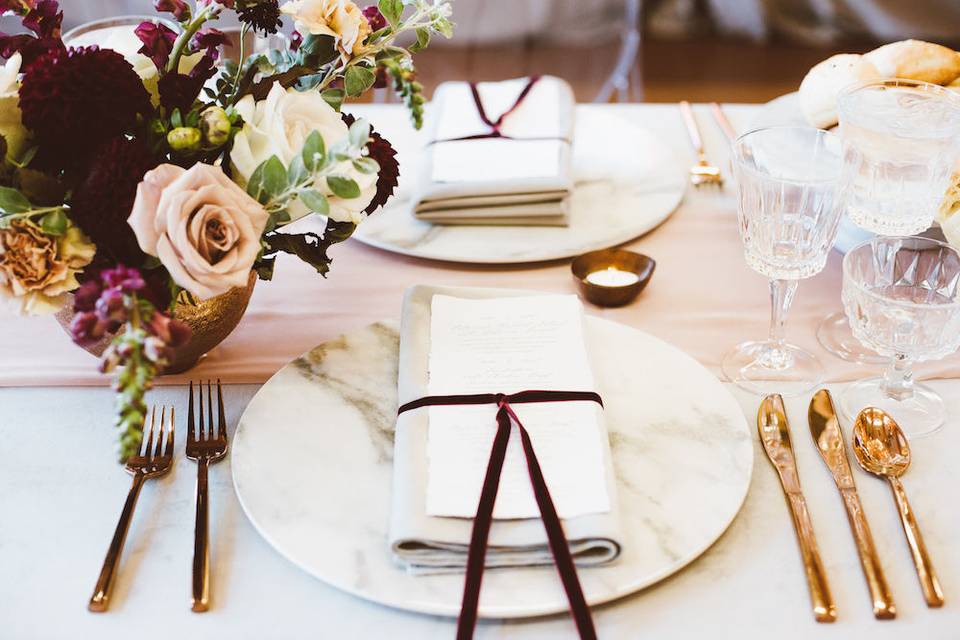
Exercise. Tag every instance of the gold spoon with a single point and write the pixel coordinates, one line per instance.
(882, 449)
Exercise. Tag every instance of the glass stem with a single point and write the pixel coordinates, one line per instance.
(781, 297)
(898, 379)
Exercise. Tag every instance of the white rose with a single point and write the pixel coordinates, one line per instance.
(11, 126)
(279, 125)
(341, 19)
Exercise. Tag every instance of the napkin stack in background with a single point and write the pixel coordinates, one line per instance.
(523, 178)
(425, 544)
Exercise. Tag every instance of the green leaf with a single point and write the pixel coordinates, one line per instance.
(391, 10)
(334, 98)
(314, 151)
(366, 165)
(54, 223)
(315, 201)
(343, 187)
(297, 172)
(423, 40)
(359, 133)
(176, 120)
(358, 80)
(12, 201)
(267, 180)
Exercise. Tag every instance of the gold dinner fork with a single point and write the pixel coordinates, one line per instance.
(150, 462)
(206, 448)
(702, 173)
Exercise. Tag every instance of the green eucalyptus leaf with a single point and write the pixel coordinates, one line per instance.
(12, 201)
(357, 80)
(315, 201)
(343, 187)
(334, 98)
(54, 223)
(366, 165)
(423, 40)
(314, 151)
(359, 133)
(297, 172)
(274, 176)
(391, 10)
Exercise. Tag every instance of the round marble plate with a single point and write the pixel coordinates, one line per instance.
(627, 183)
(312, 469)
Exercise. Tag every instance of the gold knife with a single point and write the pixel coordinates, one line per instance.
(825, 429)
(775, 435)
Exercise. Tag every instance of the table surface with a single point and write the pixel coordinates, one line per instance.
(62, 495)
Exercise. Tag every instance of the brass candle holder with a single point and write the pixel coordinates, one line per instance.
(612, 277)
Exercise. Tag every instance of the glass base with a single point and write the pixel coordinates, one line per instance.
(834, 335)
(765, 367)
(922, 414)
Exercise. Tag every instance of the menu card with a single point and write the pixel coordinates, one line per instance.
(506, 345)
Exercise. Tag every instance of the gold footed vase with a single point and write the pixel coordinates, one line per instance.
(210, 322)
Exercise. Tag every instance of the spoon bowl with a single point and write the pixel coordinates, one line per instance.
(879, 443)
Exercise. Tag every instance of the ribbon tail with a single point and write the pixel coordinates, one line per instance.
(477, 553)
(558, 542)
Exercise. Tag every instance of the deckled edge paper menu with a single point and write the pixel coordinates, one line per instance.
(506, 345)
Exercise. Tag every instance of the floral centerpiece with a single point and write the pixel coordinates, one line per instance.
(132, 185)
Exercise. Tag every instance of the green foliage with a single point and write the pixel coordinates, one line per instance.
(12, 202)
(357, 80)
(343, 187)
(268, 180)
(391, 10)
(309, 247)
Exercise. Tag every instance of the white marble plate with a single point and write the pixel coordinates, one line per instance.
(312, 469)
(627, 183)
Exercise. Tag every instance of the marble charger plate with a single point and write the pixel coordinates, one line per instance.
(312, 465)
(627, 183)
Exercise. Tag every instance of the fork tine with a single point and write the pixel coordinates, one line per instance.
(170, 432)
(163, 422)
(209, 411)
(221, 421)
(200, 427)
(190, 424)
(147, 444)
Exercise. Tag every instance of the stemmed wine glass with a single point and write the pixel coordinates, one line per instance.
(902, 298)
(900, 148)
(786, 181)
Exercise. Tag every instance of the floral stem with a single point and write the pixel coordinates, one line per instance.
(173, 64)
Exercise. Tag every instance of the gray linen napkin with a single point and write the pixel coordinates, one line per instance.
(428, 544)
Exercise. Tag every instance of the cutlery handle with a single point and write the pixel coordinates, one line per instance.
(723, 121)
(883, 607)
(101, 593)
(932, 592)
(823, 608)
(201, 547)
(688, 118)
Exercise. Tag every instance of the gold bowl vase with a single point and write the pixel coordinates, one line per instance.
(210, 322)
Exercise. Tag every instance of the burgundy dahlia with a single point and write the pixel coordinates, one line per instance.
(75, 100)
(380, 149)
(104, 197)
(261, 15)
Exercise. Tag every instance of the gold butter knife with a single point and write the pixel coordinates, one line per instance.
(774, 433)
(825, 429)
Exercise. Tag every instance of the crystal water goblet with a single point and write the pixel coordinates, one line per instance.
(901, 141)
(902, 297)
(786, 182)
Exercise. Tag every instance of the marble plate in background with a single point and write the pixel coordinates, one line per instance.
(312, 467)
(628, 182)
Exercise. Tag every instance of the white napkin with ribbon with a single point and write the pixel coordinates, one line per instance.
(430, 544)
(523, 177)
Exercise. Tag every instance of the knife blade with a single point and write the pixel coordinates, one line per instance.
(827, 436)
(774, 431)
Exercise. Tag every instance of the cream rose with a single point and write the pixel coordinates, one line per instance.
(341, 19)
(203, 227)
(11, 127)
(279, 125)
(37, 270)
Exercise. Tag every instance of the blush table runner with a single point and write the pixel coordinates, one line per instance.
(703, 298)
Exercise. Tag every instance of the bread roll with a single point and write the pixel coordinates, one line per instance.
(916, 60)
(823, 83)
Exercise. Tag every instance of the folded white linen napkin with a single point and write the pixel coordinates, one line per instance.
(426, 544)
(524, 177)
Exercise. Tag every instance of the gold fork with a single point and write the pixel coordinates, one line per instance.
(150, 462)
(703, 173)
(205, 448)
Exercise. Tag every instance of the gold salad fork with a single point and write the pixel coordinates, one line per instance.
(702, 173)
(206, 448)
(151, 461)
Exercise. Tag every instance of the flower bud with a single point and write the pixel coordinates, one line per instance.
(179, 8)
(214, 126)
(184, 139)
(110, 306)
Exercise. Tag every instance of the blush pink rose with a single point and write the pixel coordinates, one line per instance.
(202, 226)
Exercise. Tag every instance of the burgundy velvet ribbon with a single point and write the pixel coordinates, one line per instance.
(495, 125)
(477, 551)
